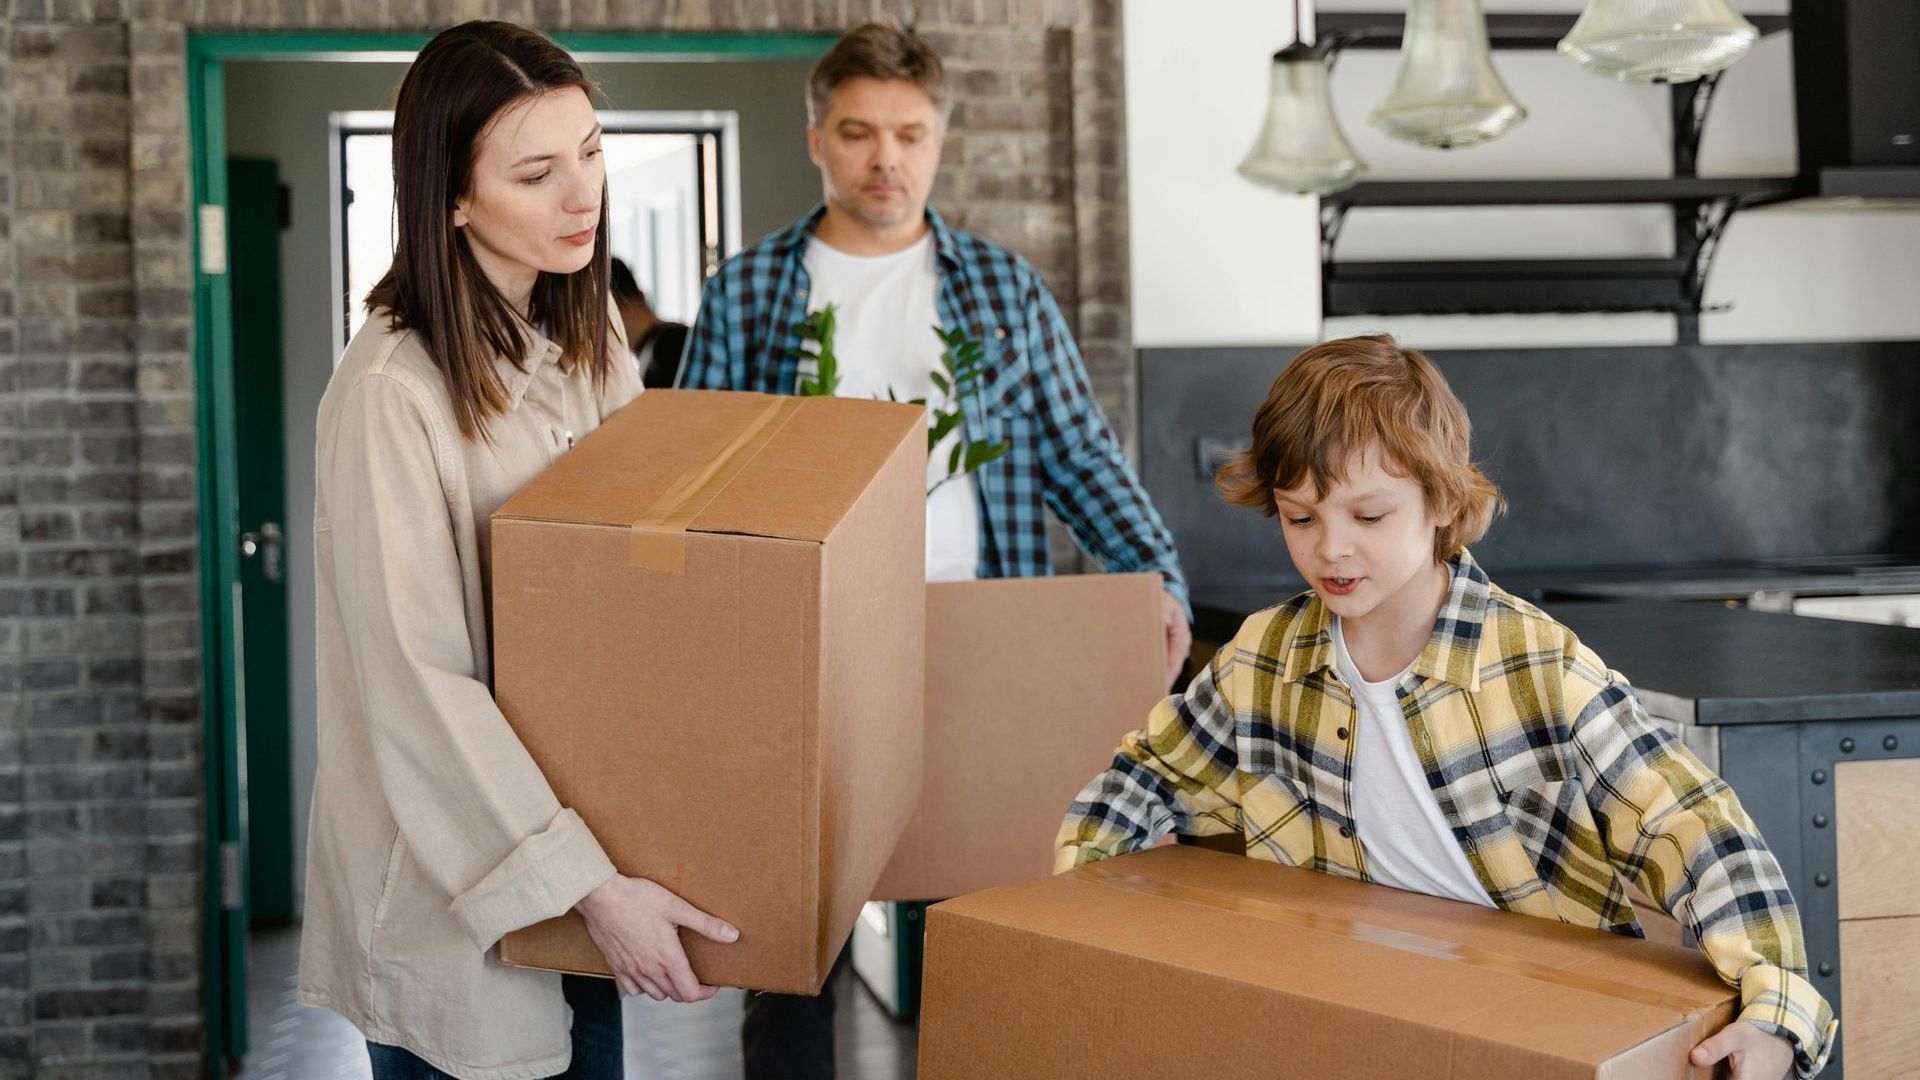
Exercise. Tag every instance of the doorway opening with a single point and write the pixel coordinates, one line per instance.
(673, 189)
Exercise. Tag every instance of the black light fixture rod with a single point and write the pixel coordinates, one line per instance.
(1298, 49)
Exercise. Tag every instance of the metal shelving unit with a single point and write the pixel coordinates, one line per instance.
(1702, 207)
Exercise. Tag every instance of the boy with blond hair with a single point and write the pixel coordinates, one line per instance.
(1407, 722)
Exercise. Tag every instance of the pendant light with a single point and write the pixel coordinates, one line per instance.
(1447, 94)
(1662, 41)
(1300, 148)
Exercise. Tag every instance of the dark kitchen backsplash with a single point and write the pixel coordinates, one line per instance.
(1643, 456)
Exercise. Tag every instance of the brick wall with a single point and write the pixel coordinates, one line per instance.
(100, 770)
(94, 836)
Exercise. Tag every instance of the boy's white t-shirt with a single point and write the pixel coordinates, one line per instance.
(884, 319)
(1405, 837)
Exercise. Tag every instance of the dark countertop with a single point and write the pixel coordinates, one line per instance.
(1712, 664)
(1713, 582)
(1722, 581)
(1735, 666)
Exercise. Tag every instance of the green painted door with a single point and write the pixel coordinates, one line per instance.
(254, 222)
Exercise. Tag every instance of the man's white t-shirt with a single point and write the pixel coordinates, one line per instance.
(884, 320)
(1407, 841)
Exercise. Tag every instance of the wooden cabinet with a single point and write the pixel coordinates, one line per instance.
(1877, 813)
(1880, 995)
(1877, 822)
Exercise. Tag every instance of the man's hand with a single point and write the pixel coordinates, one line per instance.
(1754, 1054)
(1179, 635)
(636, 924)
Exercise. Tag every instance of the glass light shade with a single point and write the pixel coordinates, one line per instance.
(1446, 94)
(1300, 148)
(1658, 40)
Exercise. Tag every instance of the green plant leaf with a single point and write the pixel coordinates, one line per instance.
(963, 368)
(818, 328)
(979, 455)
(941, 426)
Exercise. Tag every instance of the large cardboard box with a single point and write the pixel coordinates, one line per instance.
(709, 630)
(1180, 962)
(1031, 685)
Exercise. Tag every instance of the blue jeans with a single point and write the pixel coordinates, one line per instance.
(599, 1046)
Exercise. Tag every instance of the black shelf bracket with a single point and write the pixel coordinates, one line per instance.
(1333, 214)
(1691, 102)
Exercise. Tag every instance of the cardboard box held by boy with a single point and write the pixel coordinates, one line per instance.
(1184, 962)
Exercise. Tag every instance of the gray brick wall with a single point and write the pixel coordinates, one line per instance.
(100, 767)
(90, 827)
(14, 930)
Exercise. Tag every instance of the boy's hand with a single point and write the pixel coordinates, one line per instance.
(1753, 1053)
(1179, 635)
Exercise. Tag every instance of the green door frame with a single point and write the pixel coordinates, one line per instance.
(224, 922)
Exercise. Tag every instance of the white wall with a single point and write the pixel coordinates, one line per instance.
(1216, 260)
(1219, 261)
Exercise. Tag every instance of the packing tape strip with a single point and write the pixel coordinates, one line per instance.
(657, 539)
(1403, 940)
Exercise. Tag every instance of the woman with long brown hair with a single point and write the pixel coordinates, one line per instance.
(488, 350)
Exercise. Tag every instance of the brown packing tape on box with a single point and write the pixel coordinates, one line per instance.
(735, 713)
(1375, 934)
(659, 536)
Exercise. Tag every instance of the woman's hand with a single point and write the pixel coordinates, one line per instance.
(636, 924)
(1755, 1054)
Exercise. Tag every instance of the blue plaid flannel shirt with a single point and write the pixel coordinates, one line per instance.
(1036, 396)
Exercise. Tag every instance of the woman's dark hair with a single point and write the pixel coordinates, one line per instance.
(625, 287)
(462, 80)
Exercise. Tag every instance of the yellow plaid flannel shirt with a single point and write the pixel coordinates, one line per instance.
(1555, 782)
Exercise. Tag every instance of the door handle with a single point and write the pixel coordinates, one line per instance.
(266, 544)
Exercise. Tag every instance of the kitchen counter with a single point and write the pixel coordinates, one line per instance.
(1721, 581)
(1717, 665)
(1708, 664)
(1812, 577)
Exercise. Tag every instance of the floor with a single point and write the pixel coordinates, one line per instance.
(665, 1041)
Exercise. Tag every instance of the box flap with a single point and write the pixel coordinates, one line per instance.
(1062, 666)
(678, 461)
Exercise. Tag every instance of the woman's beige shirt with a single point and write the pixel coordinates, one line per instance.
(433, 831)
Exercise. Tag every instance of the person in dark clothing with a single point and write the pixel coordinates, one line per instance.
(657, 344)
